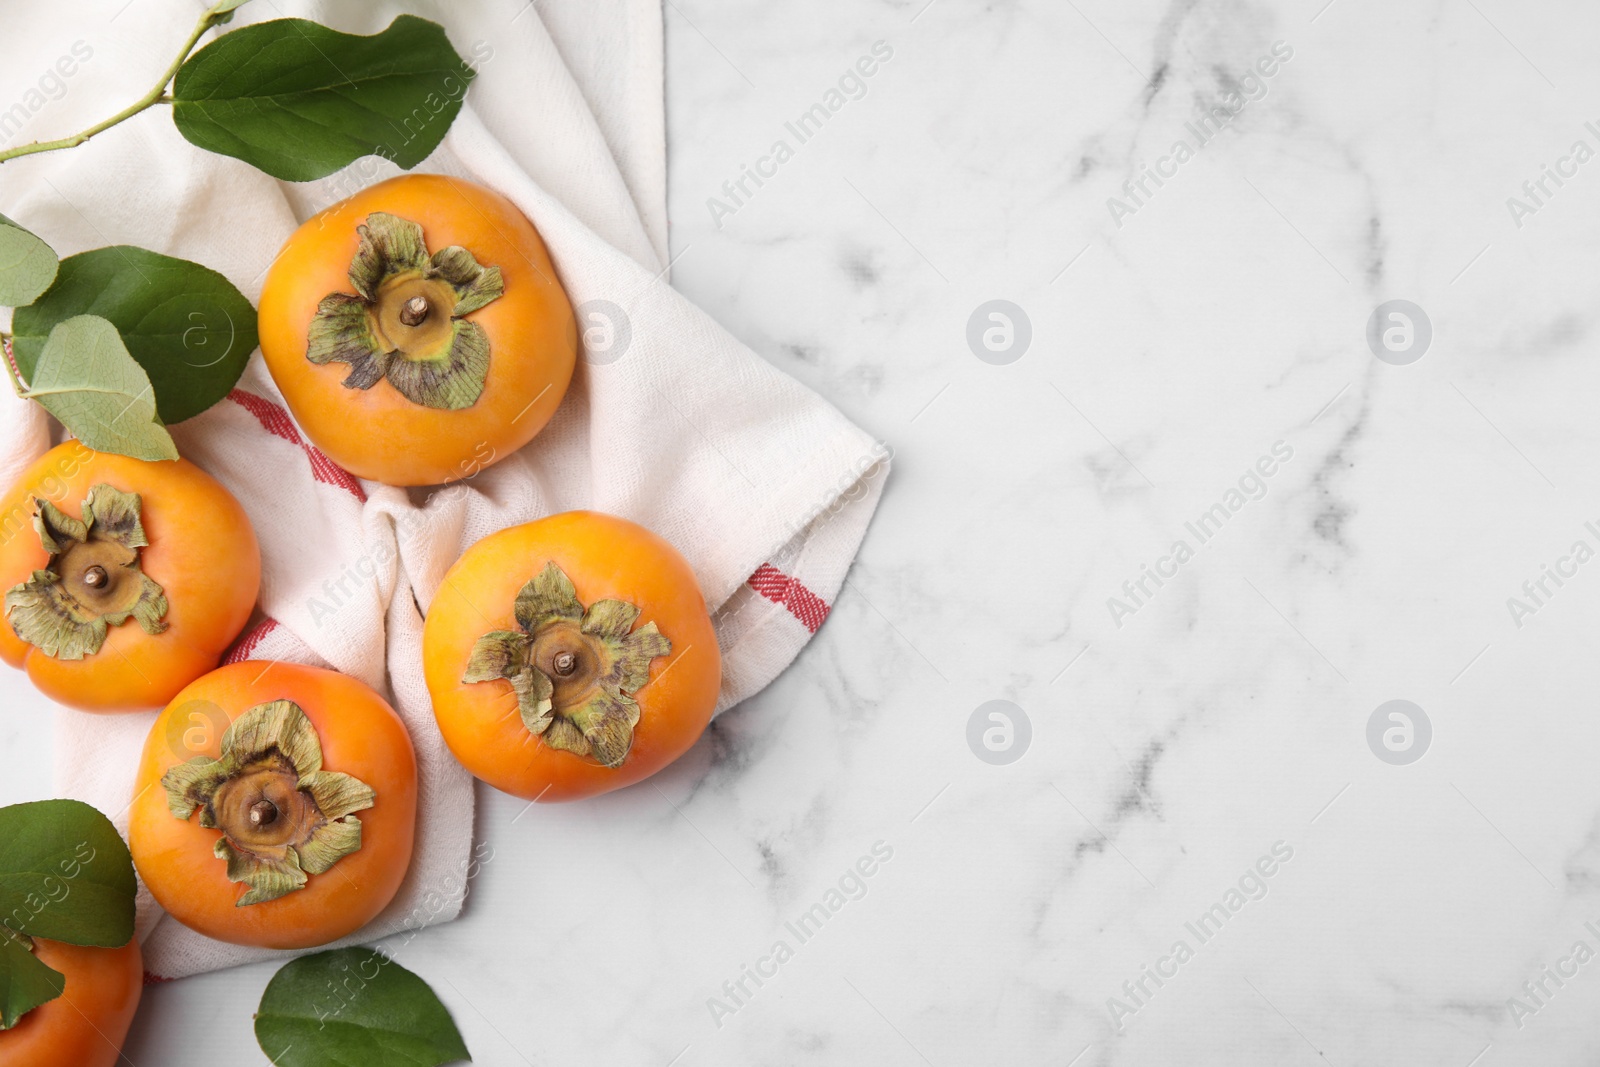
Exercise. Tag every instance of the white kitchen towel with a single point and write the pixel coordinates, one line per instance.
(765, 487)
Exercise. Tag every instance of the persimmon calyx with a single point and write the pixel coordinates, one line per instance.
(407, 324)
(94, 579)
(282, 817)
(575, 670)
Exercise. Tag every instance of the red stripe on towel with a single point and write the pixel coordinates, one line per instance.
(779, 588)
(810, 609)
(245, 647)
(275, 420)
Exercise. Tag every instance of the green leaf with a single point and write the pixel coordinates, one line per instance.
(87, 379)
(25, 983)
(355, 1007)
(27, 265)
(299, 100)
(65, 874)
(187, 325)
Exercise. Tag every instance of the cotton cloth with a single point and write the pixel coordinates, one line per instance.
(761, 484)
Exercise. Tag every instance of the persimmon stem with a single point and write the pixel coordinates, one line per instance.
(413, 311)
(157, 95)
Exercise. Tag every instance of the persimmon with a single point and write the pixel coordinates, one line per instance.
(275, 805)
(86, 1025)
(125, 579)
(418, 330)
(570, 656)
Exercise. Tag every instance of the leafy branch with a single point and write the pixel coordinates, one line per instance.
(217, 14)
(156, 340)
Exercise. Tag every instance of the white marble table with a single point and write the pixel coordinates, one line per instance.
(1199, 772)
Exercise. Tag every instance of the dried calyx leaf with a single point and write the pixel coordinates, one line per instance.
(94, 579)
(407, 322)
(282, 817)
(575, 670)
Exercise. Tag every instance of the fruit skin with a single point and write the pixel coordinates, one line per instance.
(86, 1025)
(377, 433)
(606, 558)
(202, 551)
(360, 735)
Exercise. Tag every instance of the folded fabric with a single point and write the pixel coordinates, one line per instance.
(764, 487)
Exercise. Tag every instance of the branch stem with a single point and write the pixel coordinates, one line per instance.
(157, 95)
(8, 357)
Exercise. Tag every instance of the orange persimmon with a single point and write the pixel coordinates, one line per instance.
(418, 330)
(125, 579)
(570, 656)
(275, 805)
(86, 1025)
